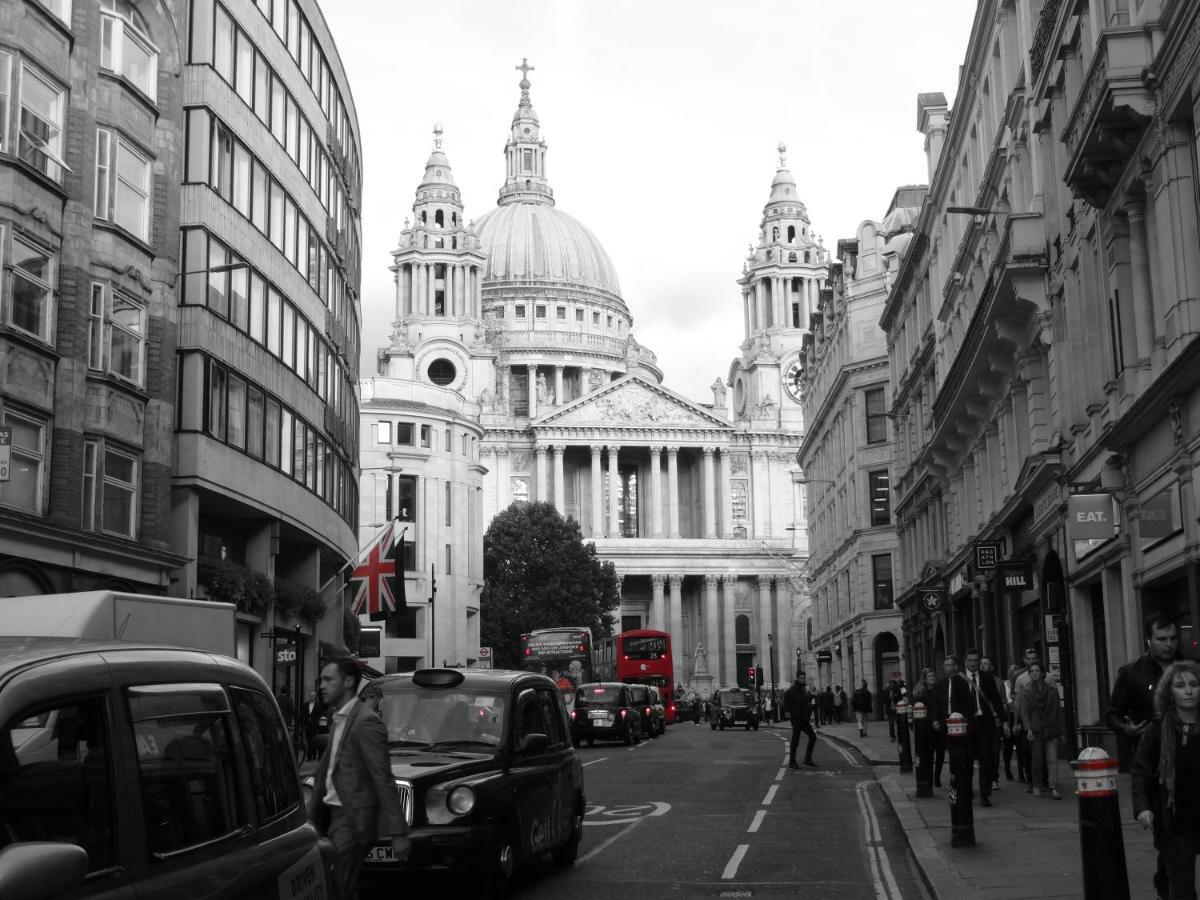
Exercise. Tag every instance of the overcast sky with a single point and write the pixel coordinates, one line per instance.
(661, 120)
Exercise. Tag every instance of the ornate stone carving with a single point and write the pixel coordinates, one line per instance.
(658, 581)
(520, 460)
(739, 464)
(633, 405)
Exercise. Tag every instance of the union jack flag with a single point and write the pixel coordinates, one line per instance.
(379, 588)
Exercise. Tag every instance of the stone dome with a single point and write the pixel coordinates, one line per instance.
(537, 242)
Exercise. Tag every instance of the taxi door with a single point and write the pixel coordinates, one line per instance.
(537, 778)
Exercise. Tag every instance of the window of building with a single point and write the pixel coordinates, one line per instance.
(27, 467)
(579, 315)
(31, 302)
(526, 160)
(254, 422)
(235, 414)
(116, 334)
(442, 372)
(43, 107)
(125, 46)
(60, 9)
(878, 491)
(881, 573)
(5, 99)
(449, 559)
(519, 311)
(595, 318)
(876, 416)
(610, 320)
(216, 401)
(449, 502)
(110, 484)
(403, 624)
(562, 313)
(404, 433)
(383, 433)
(741, 629)
(406, 498)
(426, 436)
(122, 194)
(541, 312)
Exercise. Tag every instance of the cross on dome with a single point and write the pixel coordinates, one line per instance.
(782, 155)
(437, 135)
(524, 68)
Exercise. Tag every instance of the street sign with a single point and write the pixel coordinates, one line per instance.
(932, 600)
(370, 641)
(987, 554)
(824, 656)
(484, 660)
(1015, 576)
(1091, 517)
(5, 451)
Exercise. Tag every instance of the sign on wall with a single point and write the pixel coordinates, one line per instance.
(1015, 576)
(5, 451)
(1091, 517)
(1157, 516)
(370, 643)
(987, 554)
(932, 600)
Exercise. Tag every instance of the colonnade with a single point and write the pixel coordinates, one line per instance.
(772, 308)
(462, 289)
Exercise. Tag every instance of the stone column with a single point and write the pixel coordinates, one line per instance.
(675, 618)
(760, 304)
(712, 628)
(532, 370)
(785, 648)
(728, 631)
(758, 491)
(656, 507)
(560, 488)
(504, 478)
(765, 625)
(1139, 270)
(614, 491)
(708, 503)
(673, 489)
(597, 493)
(541, 470)
(657, 619)
(558, 385)
(780, 301)
(726, 494)
(746, 311)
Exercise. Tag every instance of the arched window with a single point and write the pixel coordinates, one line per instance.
(438, 220)
(774, 234)
(424, 220)
(792, 256)
(454, 219)
(807, 256)
(741, 629)
(791, 233)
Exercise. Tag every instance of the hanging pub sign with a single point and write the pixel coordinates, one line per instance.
(1157, 516)
(1091, 517)
(987, 554)
(1015, 576)
(931, 600)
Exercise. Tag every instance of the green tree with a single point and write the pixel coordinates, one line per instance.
(538, 573)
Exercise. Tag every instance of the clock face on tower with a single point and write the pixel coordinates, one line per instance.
(791, 379)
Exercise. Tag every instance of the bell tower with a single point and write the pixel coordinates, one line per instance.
(525, 153)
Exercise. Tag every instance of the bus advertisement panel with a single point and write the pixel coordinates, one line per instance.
(565, 654)
(644, 657)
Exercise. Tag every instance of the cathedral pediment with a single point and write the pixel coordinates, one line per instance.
(632, 402)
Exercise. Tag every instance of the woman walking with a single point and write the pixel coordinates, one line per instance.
(1042, 717)
(937, 738)
(1166, 775)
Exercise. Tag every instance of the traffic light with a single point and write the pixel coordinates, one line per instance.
(750, 676)
(758, 676)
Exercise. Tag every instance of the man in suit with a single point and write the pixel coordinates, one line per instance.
(354, 800)
(975, 695)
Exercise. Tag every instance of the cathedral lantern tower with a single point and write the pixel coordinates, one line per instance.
(525, 153)
(781, 283)
(438, 269)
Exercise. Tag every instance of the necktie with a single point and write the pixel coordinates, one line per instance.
(975, 693)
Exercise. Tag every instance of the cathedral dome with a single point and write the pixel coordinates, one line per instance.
(537, 242)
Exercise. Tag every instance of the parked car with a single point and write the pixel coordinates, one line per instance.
(643, 702)
(660, 710)
(733, 706)
(486, 772)
(135, 770)
(606, 711)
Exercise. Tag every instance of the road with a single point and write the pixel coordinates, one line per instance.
(698, 813)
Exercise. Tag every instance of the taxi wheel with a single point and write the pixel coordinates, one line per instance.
(495, 880)
(566, 854)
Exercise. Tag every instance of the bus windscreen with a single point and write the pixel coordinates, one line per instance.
(645, 647)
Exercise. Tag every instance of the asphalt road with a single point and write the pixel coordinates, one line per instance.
(698, 813)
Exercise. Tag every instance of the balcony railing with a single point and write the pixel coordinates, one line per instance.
(1041, 37)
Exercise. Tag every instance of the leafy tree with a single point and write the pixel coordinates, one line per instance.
(538, 573)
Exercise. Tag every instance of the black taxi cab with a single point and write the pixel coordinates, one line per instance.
(486, 772)
(733, 706)
(139, 771)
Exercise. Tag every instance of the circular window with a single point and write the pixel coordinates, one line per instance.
(442, 372)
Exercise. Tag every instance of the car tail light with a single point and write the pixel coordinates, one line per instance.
(622, 714)
(574, 713)
(647, 710)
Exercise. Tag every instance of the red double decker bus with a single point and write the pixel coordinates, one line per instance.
(642, 656)
(565, 654)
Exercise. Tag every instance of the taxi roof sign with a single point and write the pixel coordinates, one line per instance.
(438, 678)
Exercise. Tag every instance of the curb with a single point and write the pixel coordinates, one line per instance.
(865, 752)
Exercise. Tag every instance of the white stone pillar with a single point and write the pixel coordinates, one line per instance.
(709, 503)
(758, 491)
(673, 489)
(614, 491)
(597, 493)
(746, 312)
(657, 619)
(541, 471)
(558, 385)
(726, 495)
(1139, 270)
(656, 504)
(728, 631)
(765, 625)
(504, 478)
(760, 304)
(533, 410)
(785, 648)
(712, 631)
(560, 488)
(675, 617)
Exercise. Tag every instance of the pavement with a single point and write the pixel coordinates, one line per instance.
(1026, 846)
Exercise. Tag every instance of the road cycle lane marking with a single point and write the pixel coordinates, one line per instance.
(758, 820)
(598, 814)
(731, 867)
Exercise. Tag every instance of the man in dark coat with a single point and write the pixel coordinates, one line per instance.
(799, 710)
(1131, 704)
(976, 696)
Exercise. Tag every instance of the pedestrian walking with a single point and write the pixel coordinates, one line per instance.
(798, 705)
(354, 798)
(1000, 735)
(286, 705)
(1009, 743)
(1166, 776)
(924, 692)
(1131, 706)
(975, 696)
(825, 702)
(1042, 715)
(861, 702)
(839, 704)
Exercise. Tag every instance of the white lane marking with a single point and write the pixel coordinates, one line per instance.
(881, 869)
(770, 795)
(846, 754)
(731, 867)
(758, 819)
(779, 774)
(604, 845)
(592, 762)
(636, 746)
(621, 815)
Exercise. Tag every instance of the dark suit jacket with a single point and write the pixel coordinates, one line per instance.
(363, 778)
(955, 696)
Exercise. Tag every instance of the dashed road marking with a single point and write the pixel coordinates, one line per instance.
(770, 795)
(592, 762)
(758, 819)
(778, 775)
(731, 867)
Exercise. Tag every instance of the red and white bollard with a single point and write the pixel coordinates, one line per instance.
(902, 736)
(921, 738)
(1101, 842)
(962, 816)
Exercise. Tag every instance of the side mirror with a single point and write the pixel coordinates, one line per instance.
(531, 743)
(35, 870)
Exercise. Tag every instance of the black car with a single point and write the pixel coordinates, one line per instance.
(733, 706)
(486, 773)
(605, 710)
(649, 707)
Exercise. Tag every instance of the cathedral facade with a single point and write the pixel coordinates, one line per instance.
(512, 351)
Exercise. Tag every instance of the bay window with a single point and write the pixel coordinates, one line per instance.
(125, 46)
(32, 290)
(122, 184)
(117, 334)
(27, 468)
(43, 106)
(119, 486)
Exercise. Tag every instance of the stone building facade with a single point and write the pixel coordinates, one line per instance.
(518, 320)
(1043, 341)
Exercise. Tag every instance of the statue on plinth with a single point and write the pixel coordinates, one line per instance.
(700, 666)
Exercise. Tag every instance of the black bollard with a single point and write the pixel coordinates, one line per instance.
(1100, 839)
(924, 746)
(962, 816)
(902, 738)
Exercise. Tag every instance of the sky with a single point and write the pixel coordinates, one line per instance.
(662, 120)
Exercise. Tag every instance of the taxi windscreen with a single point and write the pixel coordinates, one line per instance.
(728, 698)
(430, 717)
(597, 695)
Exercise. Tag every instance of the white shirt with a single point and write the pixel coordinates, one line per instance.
(973, 677)
(335, 741)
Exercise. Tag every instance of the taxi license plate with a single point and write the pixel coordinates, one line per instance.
(598, 714)
(382, 853)
(601, 723)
